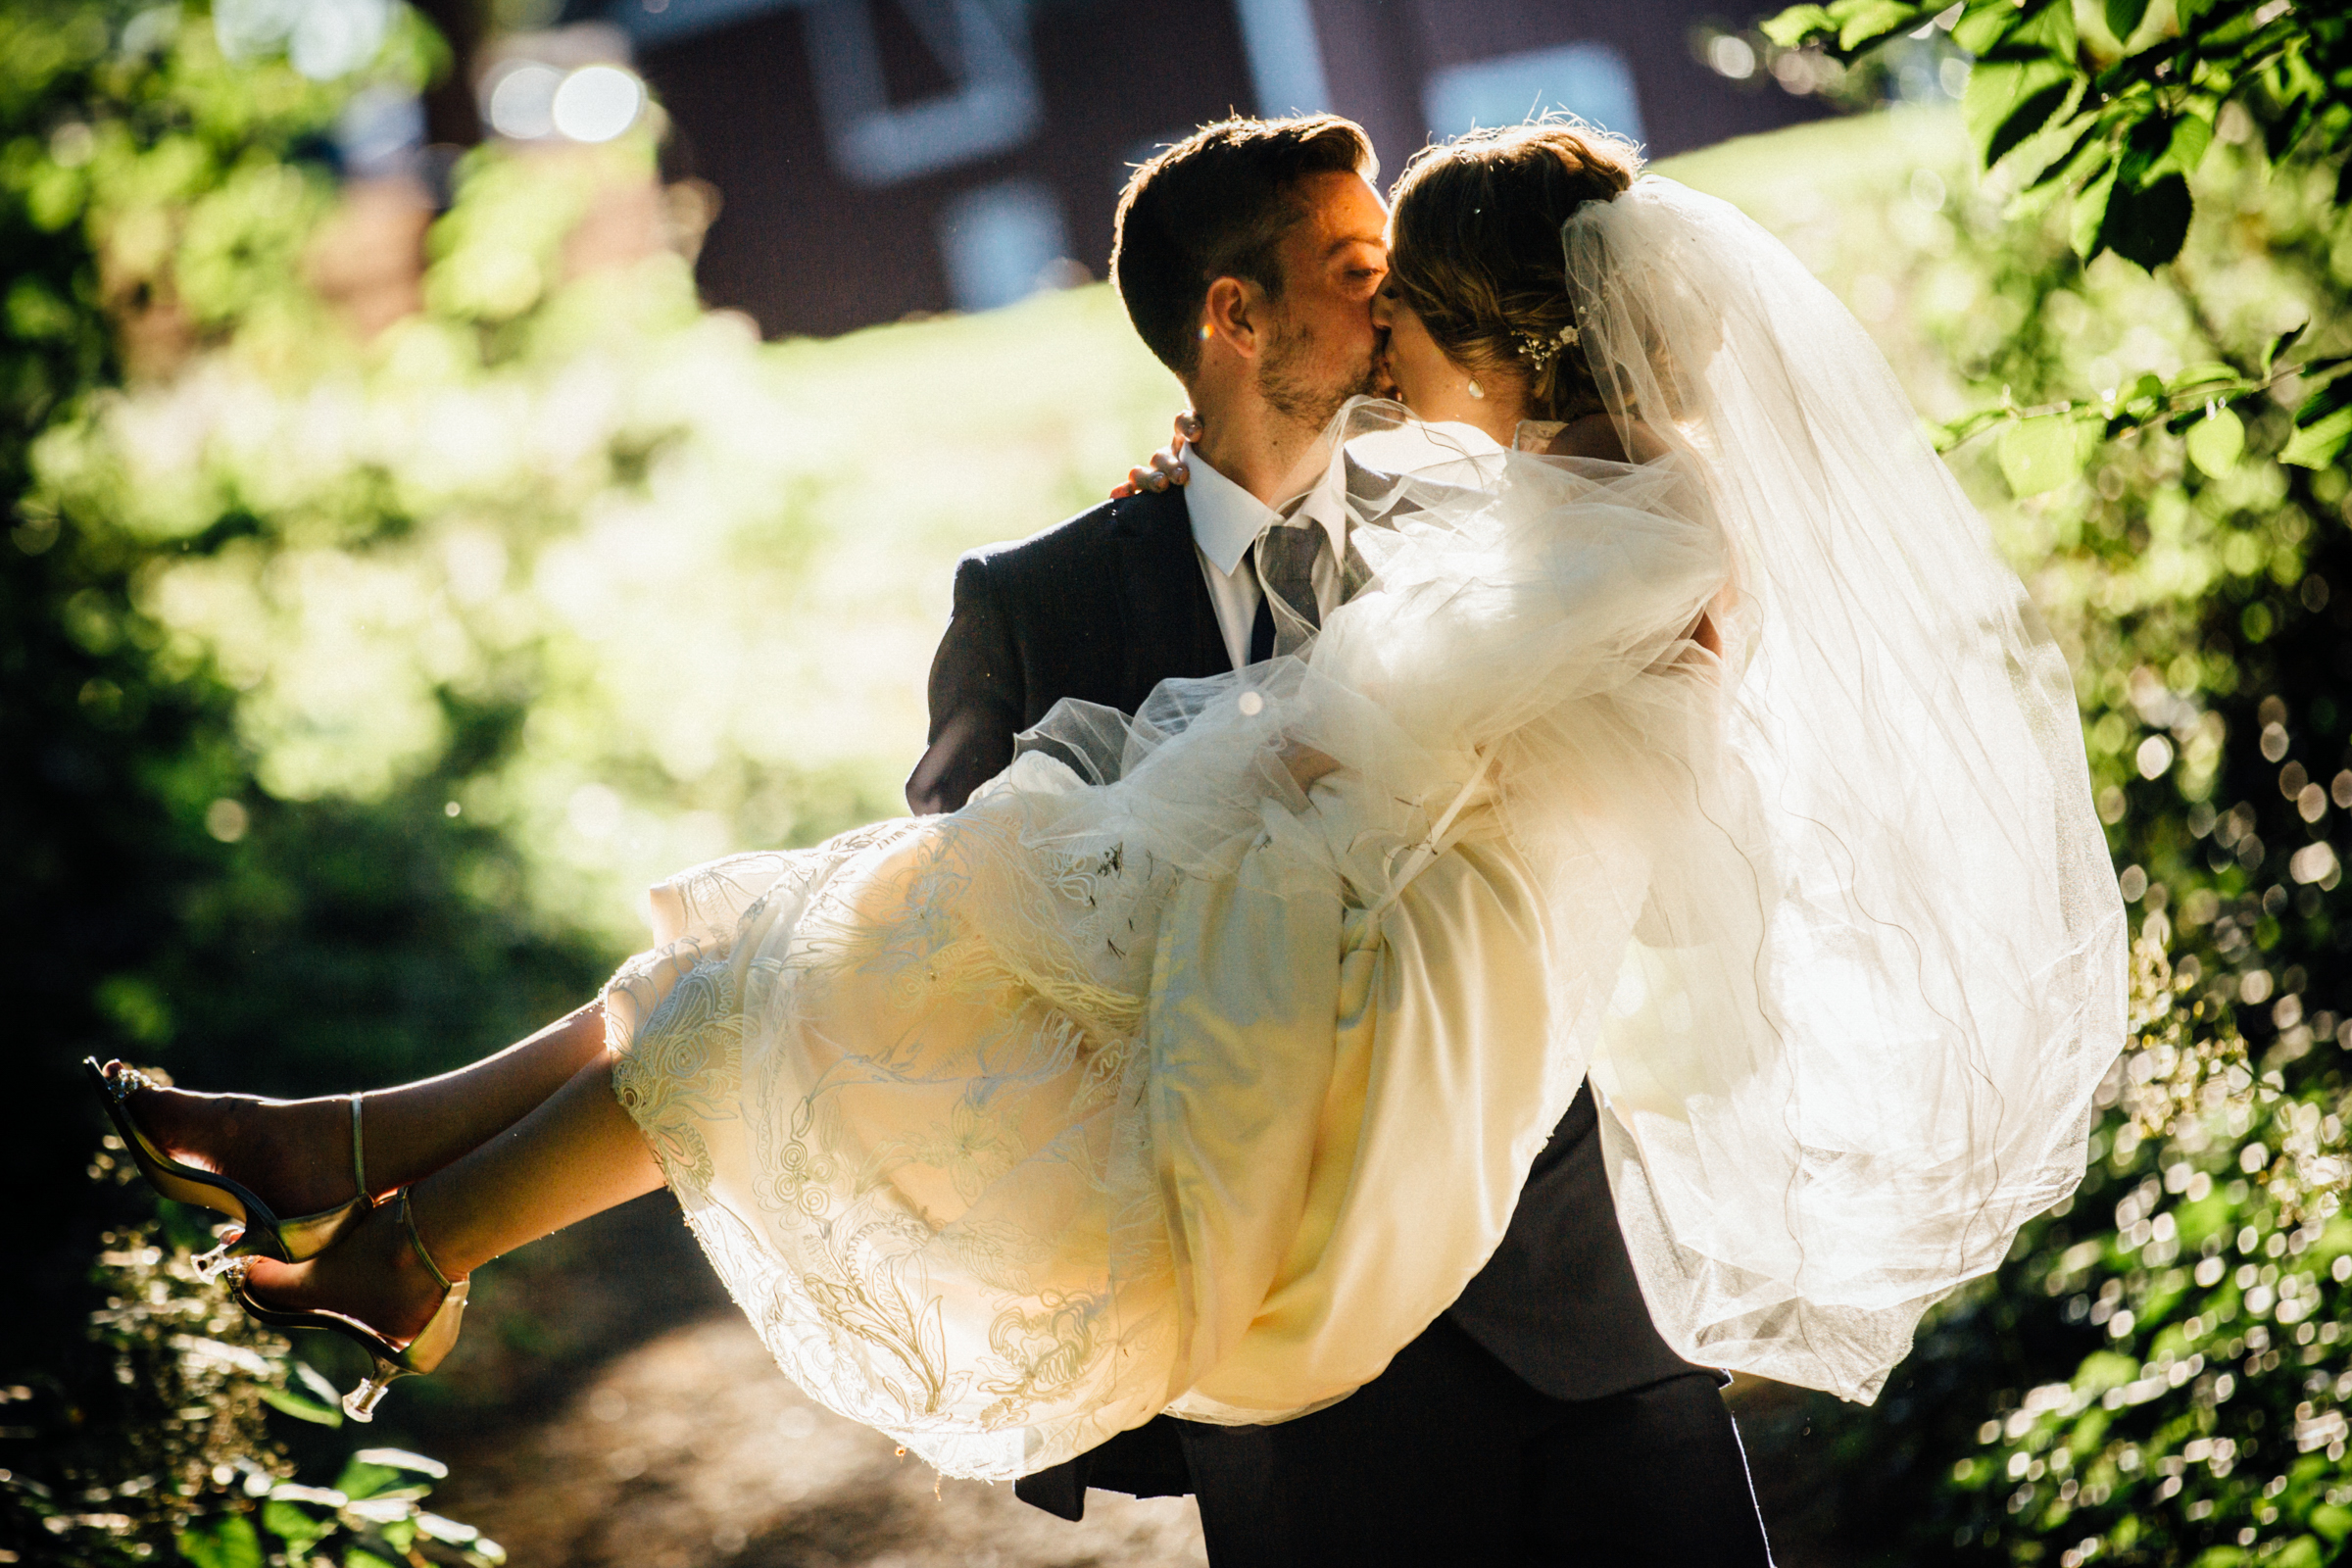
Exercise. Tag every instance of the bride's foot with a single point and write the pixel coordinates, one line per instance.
(378, 1288)
(296, 1155)
(373, 1276)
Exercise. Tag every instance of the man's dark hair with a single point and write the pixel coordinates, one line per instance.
(1218, 205)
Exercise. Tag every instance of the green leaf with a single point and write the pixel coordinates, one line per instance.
(2147, 223)
(361, 1478)
(2050, 26)
(2316, 445)
(2333, 1522)
(2326, 401)
(293, 1526)
(2007, 101)
(356, 1558)
(2191, 136)
(300, 1408)
(2090, 216)
(2124, 16)
(2217, 441)
(2206, 373)
(402, 1460)
(1967, 427)
(1875, 19)
(316, 1380)
(1980, 29)
(227, 1541)
(2042, 454)
(2300, 1553)
(2064, 165)
(2286, 341)
(2033, 113)
(2102, 1370)
(1794, 25)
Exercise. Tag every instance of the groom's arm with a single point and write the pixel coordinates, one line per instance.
(976, 697)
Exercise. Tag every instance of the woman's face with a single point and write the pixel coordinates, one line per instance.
(1432, 385)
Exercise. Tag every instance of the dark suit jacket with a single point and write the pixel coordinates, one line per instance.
(1105, 606)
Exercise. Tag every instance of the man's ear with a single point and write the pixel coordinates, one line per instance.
(1236, 314)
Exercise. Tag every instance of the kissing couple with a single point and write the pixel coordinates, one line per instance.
(1419, 946)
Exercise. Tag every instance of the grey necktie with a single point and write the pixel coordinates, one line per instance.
(1286, 572)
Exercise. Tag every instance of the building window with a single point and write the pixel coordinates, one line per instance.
(1589, 80)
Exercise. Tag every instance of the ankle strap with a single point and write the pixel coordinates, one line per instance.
(358, 1156)
(408, 1221)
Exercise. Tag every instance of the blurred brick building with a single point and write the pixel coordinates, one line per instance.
(878, 157)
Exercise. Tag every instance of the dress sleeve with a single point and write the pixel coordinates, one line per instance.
(975, 696)
(1573, 581)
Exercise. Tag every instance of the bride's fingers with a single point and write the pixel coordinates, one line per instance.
(1167, 466)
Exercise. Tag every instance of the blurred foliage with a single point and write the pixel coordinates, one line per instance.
(2158, 1375)
(2110, 110)
(154, 199)
(356, 677)
(163, 1451)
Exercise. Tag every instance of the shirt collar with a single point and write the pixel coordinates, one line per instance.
(1227, 518)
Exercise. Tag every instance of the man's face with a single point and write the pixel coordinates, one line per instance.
(1326, 349)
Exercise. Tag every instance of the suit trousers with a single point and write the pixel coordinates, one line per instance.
(1448, 1457)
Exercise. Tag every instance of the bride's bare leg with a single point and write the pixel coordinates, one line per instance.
(575, 1155)
(297, 1152)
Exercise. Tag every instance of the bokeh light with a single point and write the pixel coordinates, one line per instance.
(597, 103)
(522, 101)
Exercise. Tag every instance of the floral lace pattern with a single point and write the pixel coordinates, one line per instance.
(887, 1113)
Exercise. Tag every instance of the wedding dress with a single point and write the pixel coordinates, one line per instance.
(1153, 1081)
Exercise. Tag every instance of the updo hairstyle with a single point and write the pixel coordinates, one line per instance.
(1477, 253)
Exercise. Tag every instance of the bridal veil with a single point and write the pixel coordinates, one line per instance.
(1855, 1040)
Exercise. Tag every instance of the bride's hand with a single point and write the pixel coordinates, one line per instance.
(1305, 764)
(1167, 466)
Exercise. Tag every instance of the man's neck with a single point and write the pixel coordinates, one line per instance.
(1249, 443)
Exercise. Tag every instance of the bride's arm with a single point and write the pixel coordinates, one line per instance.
(1596, 435)
(1305, 764)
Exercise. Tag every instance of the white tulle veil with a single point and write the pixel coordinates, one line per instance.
(1854, 1040)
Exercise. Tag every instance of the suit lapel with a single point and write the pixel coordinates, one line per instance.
(1171, 623)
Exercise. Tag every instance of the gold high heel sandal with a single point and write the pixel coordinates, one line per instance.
(418, 1357)
(263, 1233)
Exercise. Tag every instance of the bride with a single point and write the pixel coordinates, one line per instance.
(1683, 732)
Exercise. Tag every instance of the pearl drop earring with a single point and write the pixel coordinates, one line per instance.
(1475, 390)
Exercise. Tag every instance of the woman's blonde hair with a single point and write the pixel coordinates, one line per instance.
(1477, 253)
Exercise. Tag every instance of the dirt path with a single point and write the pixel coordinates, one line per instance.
(694, 1451)
(611, 1414)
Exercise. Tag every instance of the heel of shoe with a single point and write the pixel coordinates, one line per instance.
(419, 1355)
(361, 1402)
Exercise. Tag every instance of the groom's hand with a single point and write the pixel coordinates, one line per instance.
(1167, 464)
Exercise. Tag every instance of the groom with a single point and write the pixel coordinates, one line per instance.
(1540, 1418)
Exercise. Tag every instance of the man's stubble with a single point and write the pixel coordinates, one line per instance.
(1289, 382)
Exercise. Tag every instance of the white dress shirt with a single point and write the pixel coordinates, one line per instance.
(1227, 521)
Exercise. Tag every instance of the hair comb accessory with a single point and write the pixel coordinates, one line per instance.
(1540, 351)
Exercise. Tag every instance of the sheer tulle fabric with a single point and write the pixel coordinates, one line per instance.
(1853, 1045)
(1152, 1080)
